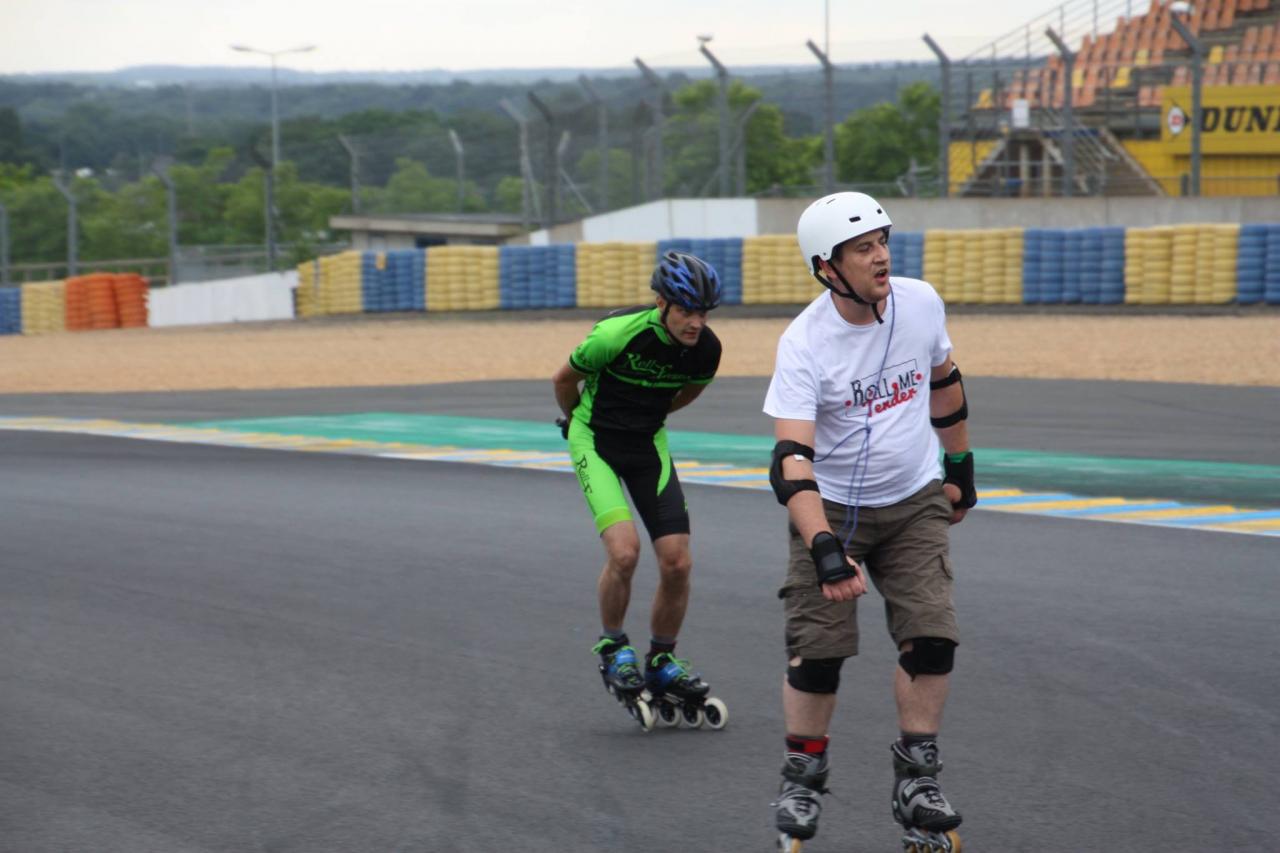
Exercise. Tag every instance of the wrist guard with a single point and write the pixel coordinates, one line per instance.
(563, 423)
(959, 473)
(829, 559)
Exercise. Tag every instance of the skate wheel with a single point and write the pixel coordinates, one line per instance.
(788, 844)
(693, 717)
(716, 714)
(643, 714)
(667, 715)
(953, 842)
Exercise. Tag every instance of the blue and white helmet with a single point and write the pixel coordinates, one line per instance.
(686, 280)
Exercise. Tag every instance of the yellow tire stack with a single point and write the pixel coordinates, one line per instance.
(306, 296)
(1226, 250)
(773, 271)
(1157, 266)
(1182, 273)
(935, 259)
(615, 275)
(988, 287)
(1135, 253)
(1013, 249)
(462, 278)
(339, 291)
(44, 307)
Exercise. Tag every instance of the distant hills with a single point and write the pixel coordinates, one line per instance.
(219, 76)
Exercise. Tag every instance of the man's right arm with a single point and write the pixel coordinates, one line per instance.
(566, 381)
(805, 507)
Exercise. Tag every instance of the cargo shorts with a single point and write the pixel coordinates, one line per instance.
(905, 548)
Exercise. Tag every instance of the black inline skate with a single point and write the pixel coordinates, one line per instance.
(804, 779)
(622, 679)
(928, 819)
(676, 694)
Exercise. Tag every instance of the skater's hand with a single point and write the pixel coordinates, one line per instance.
(563, 423)
(849, 588)
(952, 491)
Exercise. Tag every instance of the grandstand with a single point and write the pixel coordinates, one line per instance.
(1129, 83)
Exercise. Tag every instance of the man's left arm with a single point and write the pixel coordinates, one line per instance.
(685, 396)
(948, 411)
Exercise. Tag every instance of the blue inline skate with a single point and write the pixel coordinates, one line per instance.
(676, 694)
(622, 679)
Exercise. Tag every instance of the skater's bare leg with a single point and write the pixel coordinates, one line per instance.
(622, 552)
(920, 701)
(672, 598)
(806, 714)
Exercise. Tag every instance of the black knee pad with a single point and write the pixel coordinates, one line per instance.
(820, 675)
(928, 656)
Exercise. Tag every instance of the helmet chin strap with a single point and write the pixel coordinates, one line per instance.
(852, 294)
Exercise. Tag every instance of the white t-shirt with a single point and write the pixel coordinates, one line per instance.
(866, 388)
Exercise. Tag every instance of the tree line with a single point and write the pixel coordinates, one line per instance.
(108, 147)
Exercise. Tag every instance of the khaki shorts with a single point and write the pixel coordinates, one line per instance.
(905, 549)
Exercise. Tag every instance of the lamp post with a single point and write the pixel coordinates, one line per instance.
(275, 112)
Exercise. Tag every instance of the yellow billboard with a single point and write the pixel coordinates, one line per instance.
(1234, 119)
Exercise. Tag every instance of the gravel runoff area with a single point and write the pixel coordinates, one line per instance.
(1212, 346)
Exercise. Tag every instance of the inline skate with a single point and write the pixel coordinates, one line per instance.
(804, 779)
(928, 820)
(676, 695)
(622, 679)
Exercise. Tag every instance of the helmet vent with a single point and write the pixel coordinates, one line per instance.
(855, 218)
(878, 210)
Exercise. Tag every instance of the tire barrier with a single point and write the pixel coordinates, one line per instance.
(10, 310)
(612, 275)
(462, 278)
(44, 307)
(773, 272)
(393, 281)
(105, 301)
(537, 276)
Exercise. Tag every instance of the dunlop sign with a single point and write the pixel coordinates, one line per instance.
(1234, 120)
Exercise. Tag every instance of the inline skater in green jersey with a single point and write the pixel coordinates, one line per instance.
(636, 366)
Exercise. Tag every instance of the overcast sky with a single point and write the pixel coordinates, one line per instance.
(368, 35)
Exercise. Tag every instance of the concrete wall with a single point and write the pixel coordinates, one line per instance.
(669, 218)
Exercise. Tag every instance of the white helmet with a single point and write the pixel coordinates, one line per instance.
(831, 220)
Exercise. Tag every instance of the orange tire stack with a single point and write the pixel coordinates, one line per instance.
(77, 303)
(102, 302)
(130, 290)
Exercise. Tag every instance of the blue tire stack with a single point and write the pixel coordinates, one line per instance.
(1112, 288)
(1051, 265)
(371, 282)
(1032, 244)
(563, 274)
(1271, 267)
(402, 281)
(1072, 254)
(1089, 265)
(907, 251)
(1251, 264)
(10, 310)
(515, 277)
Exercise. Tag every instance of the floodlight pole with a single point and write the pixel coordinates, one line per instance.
(553, 172)
(602, 142)
(459, 156)
(722, 110)
(72, 253)
(828, 128)
(171, 211)
(659, 125)
(1068, 114)
(944, 119)
(354, 155)
(527, 196)
(1197, 87)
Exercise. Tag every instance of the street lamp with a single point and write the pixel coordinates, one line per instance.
(275, 113)
(275, 142)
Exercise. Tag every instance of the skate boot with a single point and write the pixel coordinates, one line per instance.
(677, 694)
(622, 678)
(804, 779)
(928, 819)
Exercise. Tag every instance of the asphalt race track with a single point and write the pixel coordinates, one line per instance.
(226, 649)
